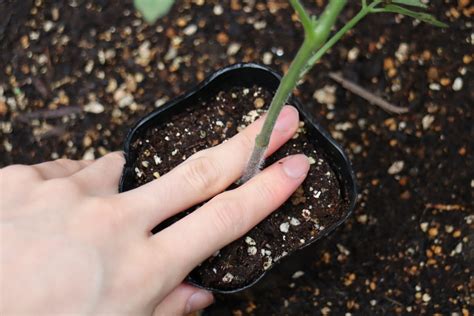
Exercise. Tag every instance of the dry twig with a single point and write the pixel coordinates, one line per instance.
(445, 207)
(48, 114)
(367, 95)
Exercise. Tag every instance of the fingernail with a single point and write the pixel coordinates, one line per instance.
(296, 166)
(199, 300)
(287, 119)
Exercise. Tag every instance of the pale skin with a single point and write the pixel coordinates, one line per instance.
(70, 244)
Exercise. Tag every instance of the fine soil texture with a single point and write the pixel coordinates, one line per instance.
(76, 75)
(315, 207)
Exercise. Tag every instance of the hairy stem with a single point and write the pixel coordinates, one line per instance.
(290, 80)
(282, 94)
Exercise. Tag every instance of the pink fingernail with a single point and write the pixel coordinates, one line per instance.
(296, 166)
(287, 119)
(199, 300)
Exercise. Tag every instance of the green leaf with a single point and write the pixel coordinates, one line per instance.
(424, 17)
(152, 10)
(413, 3)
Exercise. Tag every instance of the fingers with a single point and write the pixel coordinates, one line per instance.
(228, 216)
(183, 300)
(205, 174)
(102, 176)
(14, 181)
(61, 168)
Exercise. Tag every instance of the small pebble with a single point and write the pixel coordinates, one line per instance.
(160, 102)
(353, 54)
(190, 30)
(326, 95)
(157, 159)
(233, 49)
(125, 101)
(426, 297)
(47, 26)
(94, 107)
(89, 154)
(260, 25)
(402, 52)
(424, 227)
(427, 121)
(457, 84)
(362, 218)
(252, 250)
(396, 167)
(284, 227)
(217, 10)
(250, 241)
(138, 172)
(267, 58)
(267, 263)
(435, 87)
(294, 221)
(306, 214)
(344, 126)
(297, 274)
(228, 277)
(259, 103)
(433, 232)
(458, 248)
(144, 56)
(89, 66)
(325, 311)
(87, 141)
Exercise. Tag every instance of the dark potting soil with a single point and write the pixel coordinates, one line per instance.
(316, 205)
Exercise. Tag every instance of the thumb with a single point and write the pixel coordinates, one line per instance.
(183, 300)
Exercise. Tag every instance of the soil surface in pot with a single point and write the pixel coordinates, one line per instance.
(318, 204)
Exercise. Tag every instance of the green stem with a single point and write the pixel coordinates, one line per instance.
(327, 21)
(304, 17)
(300, 61)
(290, 80)
(283, 92)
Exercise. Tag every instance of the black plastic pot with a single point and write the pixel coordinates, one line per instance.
(246, 75)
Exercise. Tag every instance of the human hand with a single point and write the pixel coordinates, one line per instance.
(71, 244)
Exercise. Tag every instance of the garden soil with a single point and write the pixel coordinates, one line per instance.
(75, 76)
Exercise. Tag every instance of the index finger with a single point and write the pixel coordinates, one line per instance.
(203, 175)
